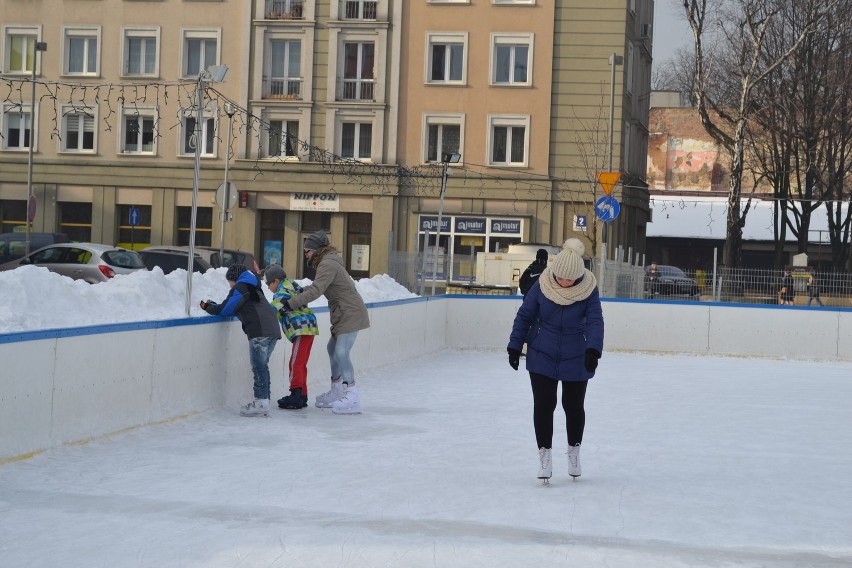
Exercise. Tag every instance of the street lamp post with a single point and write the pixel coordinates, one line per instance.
(447, 159)
(213, 74)
(614, 60)
(38, 47)
(230, 110)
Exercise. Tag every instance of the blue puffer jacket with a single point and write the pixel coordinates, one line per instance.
(247, 302)
(557, 336)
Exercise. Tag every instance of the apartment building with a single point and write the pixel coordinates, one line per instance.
(340, 113)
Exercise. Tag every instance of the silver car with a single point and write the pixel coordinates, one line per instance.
(91, 262)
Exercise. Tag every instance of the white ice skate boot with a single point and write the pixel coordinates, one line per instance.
(349, 404)
(546, 467)
(257, 407)
(337, 391)
(574, 461)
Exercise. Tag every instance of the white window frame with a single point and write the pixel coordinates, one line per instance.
(441, 119)
(128, 33)
(22, 110)
(67, 111)
(139, 112)
(446, 38)
(89, 34)
(509, 121)
(356, 150)
(10, 31)
(209, 119)
(188, 34)
(284, 119)
(290, 77)
(512, 39)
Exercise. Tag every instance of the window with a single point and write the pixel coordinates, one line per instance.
(359, 9)
(134, 236)
(200, 51)
(285, 69)
(283, 140)
(16, 127)
(446, 58)
(188, 134)
(442, 135)
(75, 220)
(140, 52)
(356, 140)
(511, 59)
(19, 45)
(203, 226)
(629, 78)
(138, 136)
(508, 141)
(80, 51)
(78, 129)
(358, 78)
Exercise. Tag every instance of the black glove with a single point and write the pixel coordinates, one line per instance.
(204, 304)
(592, 356)
(514, 358)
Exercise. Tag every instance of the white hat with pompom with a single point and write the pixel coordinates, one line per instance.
(569, 262)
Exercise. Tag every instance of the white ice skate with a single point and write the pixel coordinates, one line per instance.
(574, 461)
(349, 404)
(338, 390)
(545, 465)
(257, 407)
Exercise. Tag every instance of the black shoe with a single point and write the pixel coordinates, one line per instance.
(293, 401)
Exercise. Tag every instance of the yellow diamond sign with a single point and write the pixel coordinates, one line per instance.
(608, 181)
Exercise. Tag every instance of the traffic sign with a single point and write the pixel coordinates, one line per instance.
(31, 208)
(581, 223)
(232, 196)
(134, 216)
(608, 181)
(607, 208)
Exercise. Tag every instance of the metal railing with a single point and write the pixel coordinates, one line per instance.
(282, 88)
(358, 9)
(284, 9)
(356, 89)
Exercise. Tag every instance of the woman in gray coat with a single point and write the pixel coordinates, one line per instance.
(348, 315)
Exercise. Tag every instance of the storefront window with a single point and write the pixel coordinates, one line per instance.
(203, 226)
(75, 220)
(12, 214)
(134, 236)
(358, 240)
(272, 236)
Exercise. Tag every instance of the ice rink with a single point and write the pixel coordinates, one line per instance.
(687, 462)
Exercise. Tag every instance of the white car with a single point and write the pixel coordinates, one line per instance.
(91, 262)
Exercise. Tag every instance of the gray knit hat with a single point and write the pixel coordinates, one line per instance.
(569, 262)
(317, 241)
(274, 272)
(234, 272)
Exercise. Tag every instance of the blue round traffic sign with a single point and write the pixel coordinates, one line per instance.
(607, 208)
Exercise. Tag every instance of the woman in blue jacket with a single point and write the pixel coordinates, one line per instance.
(562, 324)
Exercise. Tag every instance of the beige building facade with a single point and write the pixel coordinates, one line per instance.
(340, 113)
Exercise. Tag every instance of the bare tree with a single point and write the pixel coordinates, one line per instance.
(737, 44)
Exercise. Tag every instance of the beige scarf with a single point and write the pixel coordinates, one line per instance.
(566, 296)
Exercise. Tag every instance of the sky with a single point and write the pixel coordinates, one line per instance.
(671, 31)
(687, 462)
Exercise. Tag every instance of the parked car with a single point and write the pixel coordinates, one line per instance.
(91, 262)
(211, 255)
(671, 281)
(14, 245)
(170, 259)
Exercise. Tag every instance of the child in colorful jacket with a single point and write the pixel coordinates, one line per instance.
(300, 327)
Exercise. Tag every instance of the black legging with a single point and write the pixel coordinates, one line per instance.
(544, 404)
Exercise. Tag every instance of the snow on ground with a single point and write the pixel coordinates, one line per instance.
(687, 462)
(34, 298)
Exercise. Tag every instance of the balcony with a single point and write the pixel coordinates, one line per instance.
(356, 89)
(282, 88)
(284, 9)
(358, 10)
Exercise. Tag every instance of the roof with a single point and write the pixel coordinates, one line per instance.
(706, 218)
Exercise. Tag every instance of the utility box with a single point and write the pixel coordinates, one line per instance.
(505, 268)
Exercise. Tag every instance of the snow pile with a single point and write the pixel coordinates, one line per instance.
(34, 298)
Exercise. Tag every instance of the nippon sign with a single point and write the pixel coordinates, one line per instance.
(315, 202)
(506, 226)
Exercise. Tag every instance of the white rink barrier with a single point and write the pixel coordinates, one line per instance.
(72, 385)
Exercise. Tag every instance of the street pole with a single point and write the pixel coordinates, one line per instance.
(614, 60)
(440, 221)
(226, 207)
(37, 48)
(199, 95)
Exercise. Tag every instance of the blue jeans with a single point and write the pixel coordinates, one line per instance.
(260, 350)
(339, 347)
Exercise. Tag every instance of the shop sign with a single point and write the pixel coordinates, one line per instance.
(470, 225)
(315, 202)
(506, 226)
(431, 224)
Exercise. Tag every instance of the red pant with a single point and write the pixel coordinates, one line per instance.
(299, 362)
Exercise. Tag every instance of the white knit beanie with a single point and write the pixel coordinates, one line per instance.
(569, 262)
